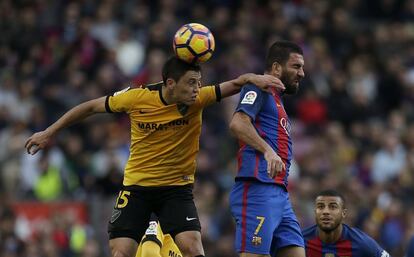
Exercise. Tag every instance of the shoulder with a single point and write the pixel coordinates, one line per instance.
(152, 87)
(143, 89)
(251, 87)
(129, 90)
(250, 94)
(207, 89)
(356, 233)
(367, 243)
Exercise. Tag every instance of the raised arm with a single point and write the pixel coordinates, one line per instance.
(244, 130)
(265, 82)
(40, 139)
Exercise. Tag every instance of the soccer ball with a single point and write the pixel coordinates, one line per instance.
(193, 43)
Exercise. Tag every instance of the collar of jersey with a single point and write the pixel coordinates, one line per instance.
(162, 98)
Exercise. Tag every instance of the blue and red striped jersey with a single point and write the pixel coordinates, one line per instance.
(269, 117)
(352, 243)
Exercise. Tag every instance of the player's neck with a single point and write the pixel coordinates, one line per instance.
(332, 236)
(276, 75)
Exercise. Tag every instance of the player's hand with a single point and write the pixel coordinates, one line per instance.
(275, 164)
(267, 83)
(37, 141)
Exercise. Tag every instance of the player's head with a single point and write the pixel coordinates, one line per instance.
(330, 210)
(285, 61)
(183, 80)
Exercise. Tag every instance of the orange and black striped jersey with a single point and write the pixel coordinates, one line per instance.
(164, 138)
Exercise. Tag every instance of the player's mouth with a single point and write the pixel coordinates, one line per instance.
(192, 99)
(326, 220)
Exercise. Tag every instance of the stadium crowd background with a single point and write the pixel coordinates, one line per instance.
(353, 120)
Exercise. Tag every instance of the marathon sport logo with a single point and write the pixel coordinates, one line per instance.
(156, 126)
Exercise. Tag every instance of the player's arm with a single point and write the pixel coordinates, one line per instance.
(264, 82)
(40, 139)
(242, 127)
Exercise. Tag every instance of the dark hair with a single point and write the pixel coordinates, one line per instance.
(175, 68)
(331, 192)
(280, 52)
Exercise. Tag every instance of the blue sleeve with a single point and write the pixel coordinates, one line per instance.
(309, 232)
(251, 101)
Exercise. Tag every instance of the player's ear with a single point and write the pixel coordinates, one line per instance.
(170, 83)
(276, 69)
(344, 213)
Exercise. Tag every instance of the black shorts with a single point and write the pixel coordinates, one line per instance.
(174, 206)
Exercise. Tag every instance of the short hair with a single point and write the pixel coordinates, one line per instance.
(175, 68)
(280, 52)
(331, 192)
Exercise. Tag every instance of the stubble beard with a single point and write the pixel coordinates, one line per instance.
(329, 229)
(290, 88)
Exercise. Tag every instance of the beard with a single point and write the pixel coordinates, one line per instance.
(291, 88)
(330, 228)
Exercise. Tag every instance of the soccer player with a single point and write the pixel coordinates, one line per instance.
(259, 201)
(331, 237)
(157, 244)
(159, 175)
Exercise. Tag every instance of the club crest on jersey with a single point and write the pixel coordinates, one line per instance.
(249, 97)
(152, 228)
(257, 240)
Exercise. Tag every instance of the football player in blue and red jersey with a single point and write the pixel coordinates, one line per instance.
(330, 237)
(259, 201)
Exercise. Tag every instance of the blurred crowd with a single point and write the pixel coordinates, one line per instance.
(352, 121)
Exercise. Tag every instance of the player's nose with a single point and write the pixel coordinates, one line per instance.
(325, 211)
(301, 73)
(196, 90)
